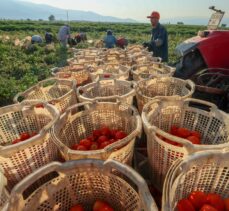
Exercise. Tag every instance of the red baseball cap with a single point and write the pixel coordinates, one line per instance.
(154, 14)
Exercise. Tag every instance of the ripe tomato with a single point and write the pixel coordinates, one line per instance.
(207, 207)
(94, 146)
(173, 130)
(196, 133)
(15, 141)
(24, 136)
(96, 133)
(77, 207)
(39, 106)
(85, 142)
(102, 139)
(112, 141)
(226, 204)
(91, 138)
(105, 131)
(215, 201)
(74, 146)
(198, 199)
(194, 139)
(183, 132)
(113, 132)
(185, 205)
(120, 135)
(104, 144)
(82, 148)
(102, 206)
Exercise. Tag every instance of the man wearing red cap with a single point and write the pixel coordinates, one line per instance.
(159, 39)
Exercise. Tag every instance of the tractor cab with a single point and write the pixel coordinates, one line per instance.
(209, 49)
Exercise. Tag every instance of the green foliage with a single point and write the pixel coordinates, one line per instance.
(22, 67)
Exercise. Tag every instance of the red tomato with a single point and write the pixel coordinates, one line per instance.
(172, 142)
(94, 146)
(105, 131)
(226, 204)
(120, 135)
(85, 142)
(39, 106)
(82, 148)
(24, 136)
(101, 206)
(112, 141)
(104, 144)
(207, 207)
(15, 141)
(113, 132)
(173, 130)
(77, 207)
(91, 138)
(183, 132)
(96, 133)
(185, 205)
(75, 146)
(215, 201)
(194, 139)
(198, 199)
(196, 133)
(102, 139)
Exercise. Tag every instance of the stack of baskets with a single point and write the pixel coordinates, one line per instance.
(160, 114)
(59, 92)
(82, 182)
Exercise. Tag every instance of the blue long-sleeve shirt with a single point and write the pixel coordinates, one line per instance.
(110, 41)
(159, 42)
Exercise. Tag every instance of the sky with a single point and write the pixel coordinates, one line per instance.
(139, 9)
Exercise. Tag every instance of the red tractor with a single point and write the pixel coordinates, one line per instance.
(205, 60)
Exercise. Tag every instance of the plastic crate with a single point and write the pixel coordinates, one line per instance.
(59, 92)
(204, 171)
(161, 113)
(146, 90)
(19, 160)
(82, 182)
(75, 126)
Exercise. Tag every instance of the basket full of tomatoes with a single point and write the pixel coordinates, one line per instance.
(98, 130)
(198, 182)
(25, 139)
(176, 127)
(82, 185)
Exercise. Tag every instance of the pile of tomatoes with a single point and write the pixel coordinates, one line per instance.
(99, 139)
(98, 206)
(200, 201)
(23, 136)
(192, 136)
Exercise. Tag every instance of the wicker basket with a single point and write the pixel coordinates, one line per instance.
(82, 182)
(58, 92)
(205, 171)
(150, 70)
(88, 52)
(19, 160)
(74, 126)
(146, 90)
(4, 194)
(146, 59)
(108, 90)
(79, 73)
(86, 60)
(117, 71)
(161, 113)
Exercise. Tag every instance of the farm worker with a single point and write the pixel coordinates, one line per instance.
(159, 39)
(109, 40)
(36, 39)
(48, 37)
(64, 34)
(122, 42)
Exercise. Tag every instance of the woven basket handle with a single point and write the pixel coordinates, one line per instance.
(148, 202)
(54, 71)
(190, 85)
(204, 105)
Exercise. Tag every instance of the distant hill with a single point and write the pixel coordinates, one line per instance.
(12, 9)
